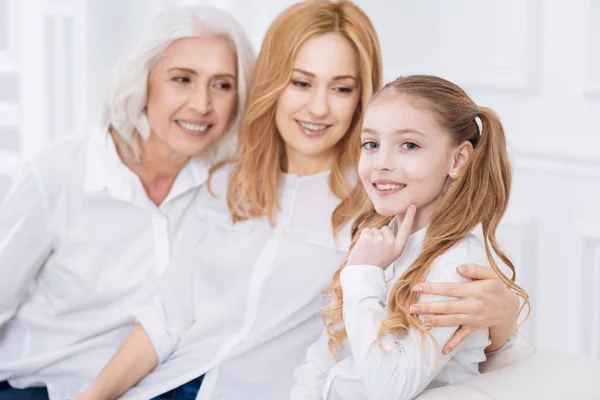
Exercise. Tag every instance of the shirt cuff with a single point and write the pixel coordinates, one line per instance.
(506, 345)
(154, 326)
(363, 280)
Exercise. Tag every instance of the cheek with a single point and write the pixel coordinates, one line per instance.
(426, 177)
(344, 110)
(364, 170)
(226, 105)
(287, 103)
(163, 101)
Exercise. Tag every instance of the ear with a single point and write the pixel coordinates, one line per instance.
(461, 155)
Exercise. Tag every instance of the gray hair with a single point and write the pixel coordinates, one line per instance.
(125, 104)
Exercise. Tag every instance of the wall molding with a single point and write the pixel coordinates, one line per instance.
(590, 293)
(592, 64)
(557, 161)
(521, 74)
(523, 232)
(10, 163)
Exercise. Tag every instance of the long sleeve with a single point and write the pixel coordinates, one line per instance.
(410, 363)
(312, 374)
(25, 240)
(170, 312)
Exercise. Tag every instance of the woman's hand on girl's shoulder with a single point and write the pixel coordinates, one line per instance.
(380, 247)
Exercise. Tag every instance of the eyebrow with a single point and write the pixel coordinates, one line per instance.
(396, 132)
(193, 72)
(335, 78)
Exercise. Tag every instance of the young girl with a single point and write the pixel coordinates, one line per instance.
(437, 173)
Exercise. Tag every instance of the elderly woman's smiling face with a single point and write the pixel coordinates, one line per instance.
(192, 94)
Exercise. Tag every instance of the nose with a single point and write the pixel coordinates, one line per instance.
(319, 104)
(383, 159)
(201, 101)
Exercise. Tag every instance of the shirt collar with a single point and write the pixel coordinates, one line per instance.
(411, 249)
(106, 171)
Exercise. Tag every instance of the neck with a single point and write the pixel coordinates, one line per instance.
(304, 165)
(423, 216)
(159, 162)
(157, 167)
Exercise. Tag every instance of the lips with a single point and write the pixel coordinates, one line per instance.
(312, 129)
(385, 187)
(196, 128)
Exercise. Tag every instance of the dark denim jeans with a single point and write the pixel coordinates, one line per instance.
(9, 393)
(187, 391)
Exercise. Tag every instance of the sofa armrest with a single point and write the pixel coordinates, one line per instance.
(546, 374)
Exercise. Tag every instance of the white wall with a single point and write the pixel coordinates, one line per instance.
(536, 62)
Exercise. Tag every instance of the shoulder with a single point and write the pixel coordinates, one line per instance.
(63, 159)
(470, 250)
(212, 197)
(219, 180)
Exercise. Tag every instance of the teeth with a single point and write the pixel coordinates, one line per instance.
(388, 186)
(193, 127)
(313, 127)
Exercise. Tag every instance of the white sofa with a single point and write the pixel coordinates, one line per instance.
(523, 372)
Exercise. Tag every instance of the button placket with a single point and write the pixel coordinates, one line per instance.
(162, 248)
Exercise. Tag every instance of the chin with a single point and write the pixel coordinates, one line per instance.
(194, 147)
(386, 211)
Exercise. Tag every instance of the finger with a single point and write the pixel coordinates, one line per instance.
(376, 234)
(440, 307)
(387, 233)
(473, 271)
(450, 289)
(447, 320)
(366, 232)
(405, 228)
(459, 336)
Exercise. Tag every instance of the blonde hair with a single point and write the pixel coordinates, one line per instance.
(479, 196)
(125, 105)
(255, 177)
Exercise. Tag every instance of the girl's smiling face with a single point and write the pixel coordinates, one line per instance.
(407, 157)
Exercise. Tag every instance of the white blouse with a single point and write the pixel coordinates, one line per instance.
(242, 304)
(80, 245)
(410, 364)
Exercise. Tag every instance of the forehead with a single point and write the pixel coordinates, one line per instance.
(392, 112)
(209, 54)
(328, 55)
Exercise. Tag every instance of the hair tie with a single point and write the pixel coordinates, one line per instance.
(478, 121)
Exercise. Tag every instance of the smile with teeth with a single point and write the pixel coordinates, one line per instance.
(312, 127)
(193, 127)
(388, 186)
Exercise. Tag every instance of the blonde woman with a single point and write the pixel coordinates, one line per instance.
(89, 229)
(242, 307)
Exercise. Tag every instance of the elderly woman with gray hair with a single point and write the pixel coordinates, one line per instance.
(91, 225)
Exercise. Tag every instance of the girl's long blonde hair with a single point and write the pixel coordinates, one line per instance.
(254, 180)
(479, 196)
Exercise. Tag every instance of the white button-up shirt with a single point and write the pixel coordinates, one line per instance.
(80, 245)
(243, 306)
(410, 364)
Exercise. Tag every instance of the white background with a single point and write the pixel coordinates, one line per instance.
(537, 63)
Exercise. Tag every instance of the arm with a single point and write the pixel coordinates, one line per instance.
(161, 322)
(485, 302)
(134, 360)
(25, 240)
(410, 363)
(312, 374)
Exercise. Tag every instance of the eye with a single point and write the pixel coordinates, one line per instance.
(343, 90)
(370, 145)
(301, 84)
(410, 146)
(223, 85)
(182, 79)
